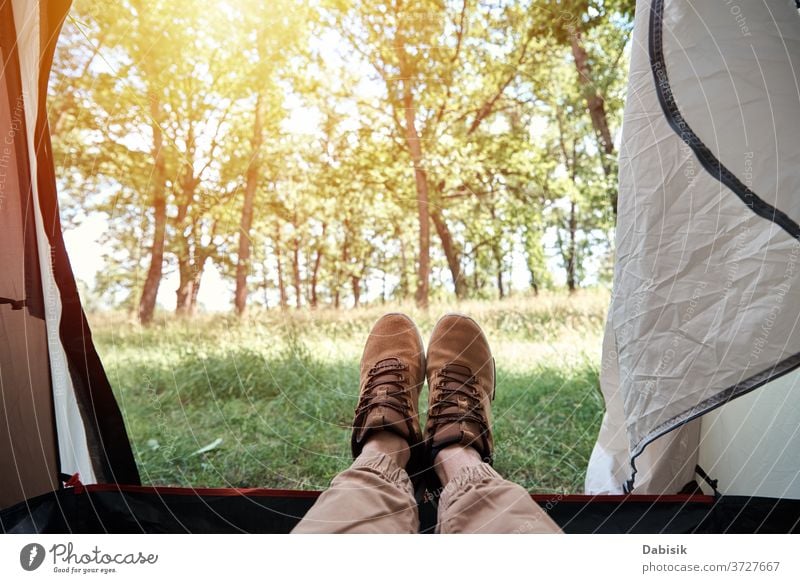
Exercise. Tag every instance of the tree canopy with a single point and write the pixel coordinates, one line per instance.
(342, 151)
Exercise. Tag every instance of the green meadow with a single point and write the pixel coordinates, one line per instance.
(267, 400)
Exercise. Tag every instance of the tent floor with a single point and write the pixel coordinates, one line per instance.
(109, 508)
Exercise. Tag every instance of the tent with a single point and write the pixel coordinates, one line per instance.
(702, 341)
(57, 415)
(66, 463)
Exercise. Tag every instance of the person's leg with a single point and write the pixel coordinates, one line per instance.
(461, 379)
(375, 494)
(476, 499)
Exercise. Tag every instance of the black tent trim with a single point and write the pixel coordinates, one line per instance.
(750, 384)
(679, 125)
(756, 204)
(110, 508)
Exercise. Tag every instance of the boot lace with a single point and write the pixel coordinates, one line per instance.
(457, 384)
(385, 387)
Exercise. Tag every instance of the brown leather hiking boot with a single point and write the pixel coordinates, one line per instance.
(392, 374)
(461, 381)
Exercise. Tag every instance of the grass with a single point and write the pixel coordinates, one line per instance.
(271, 397)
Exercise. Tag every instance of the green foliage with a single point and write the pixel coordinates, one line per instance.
(515, 108)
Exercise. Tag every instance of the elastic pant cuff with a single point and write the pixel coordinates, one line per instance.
(384, 466)
(466, 477)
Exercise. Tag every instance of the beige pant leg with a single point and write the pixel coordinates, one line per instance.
(478, 500)
(373, 495)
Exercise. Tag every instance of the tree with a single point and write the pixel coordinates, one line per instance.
(152, 74)
(418, 146)
(427, 57)
(274, 33)
(606, 26)
(127, 153)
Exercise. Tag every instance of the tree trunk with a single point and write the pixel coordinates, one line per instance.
(403, 285)
(246, 223)
(313, 300)
(147, 303)
(420, 177)
(298, 292)
(572, 284)
(501, 292)
(344, 260)
(450, 252)
(183, 295)
(198, 277)
(534, 259)
(356, 282)
(596, 106)
(284, 300)
(498, 257)
(569, 255)
(315, 270)
(185, 251)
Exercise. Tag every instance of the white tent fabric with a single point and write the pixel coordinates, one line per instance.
(706, 303)
(752, 445)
